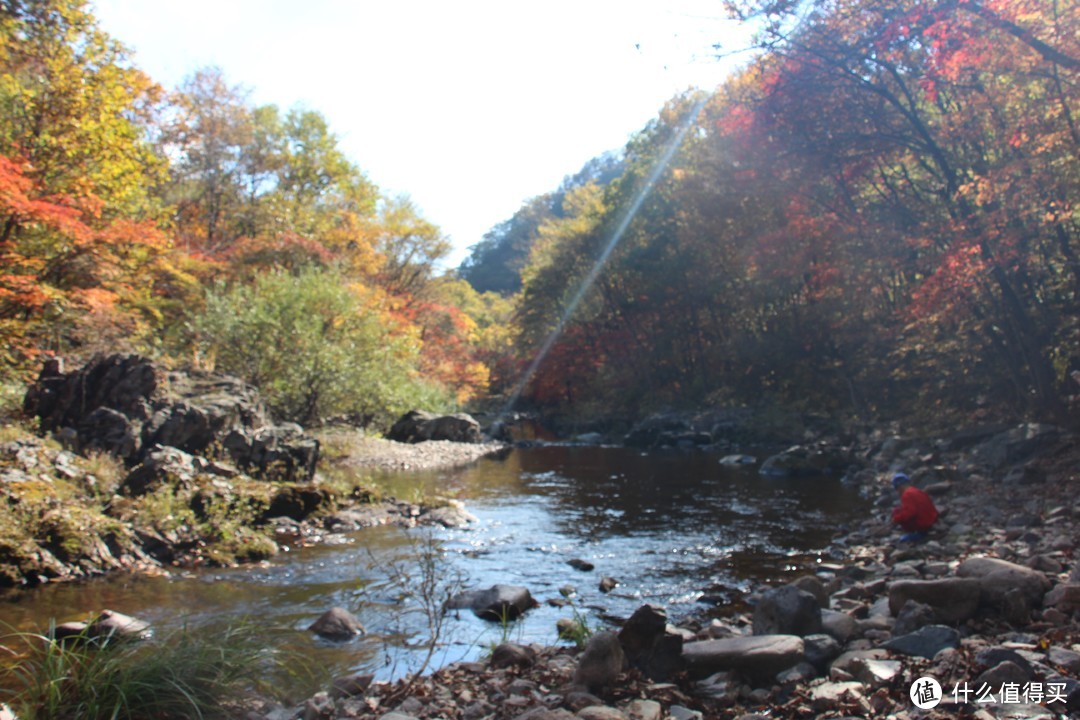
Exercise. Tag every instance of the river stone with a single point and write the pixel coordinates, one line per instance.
(997, 655)
(648, 646)
(954, 600)
(337, 624)
(721, 688)
(996, 577)
(787, 610)
(760, 656)
(601, 712)
(351, 685)
(913, 616)
(601, 662)
(1065, 597)
(111, 624)
(820, 650)
(644, 710)
(831, 695)
(813, 585)
(498, 603)
(1069, 660)
(876, 673)
(453, 515)
(1002, 673)
(838, 624)
(925, 642)
(512, 655)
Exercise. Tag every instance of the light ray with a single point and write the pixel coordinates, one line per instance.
(594, 272)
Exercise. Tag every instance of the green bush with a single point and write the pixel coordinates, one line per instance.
(313, 349)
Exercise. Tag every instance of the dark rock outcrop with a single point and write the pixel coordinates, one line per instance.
(417, 426)
(127, 406)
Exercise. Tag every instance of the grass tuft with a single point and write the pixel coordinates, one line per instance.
(187, 674)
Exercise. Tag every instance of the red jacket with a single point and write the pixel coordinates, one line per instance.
(916, 512)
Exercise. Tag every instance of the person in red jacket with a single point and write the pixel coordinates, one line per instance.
(916, 513)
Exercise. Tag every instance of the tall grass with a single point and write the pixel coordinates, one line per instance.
(188, 674)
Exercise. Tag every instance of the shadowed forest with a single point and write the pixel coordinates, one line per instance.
(876, 216)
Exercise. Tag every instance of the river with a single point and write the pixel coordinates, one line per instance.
(675, 529)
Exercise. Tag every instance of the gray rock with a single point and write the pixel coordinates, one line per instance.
(1003, 672)
(761, 656)
(912, 616)
(996, 655)
(648, 646)
(601, 662)
(497, 603)
(351, 685)
(678, 712)
(996, 577)
(337, 624)
(820, 650)
(953, 599)
(448, 516)
(513, 655)
(814, 586)
(832, 695)
(601, 712)
(162, 467)
(838, 624)
(418, 426)
(1067, 660)
(644, 710)
(805, 461)
(925, 642)
(787, 610)
(877, 673)
(1016, 444)
(722, 688)
(1065, 597)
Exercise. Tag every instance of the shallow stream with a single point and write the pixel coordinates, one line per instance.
(675, 529)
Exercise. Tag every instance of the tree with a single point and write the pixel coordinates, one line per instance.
(314, 346)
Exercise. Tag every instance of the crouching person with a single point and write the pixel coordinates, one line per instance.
(916, 513)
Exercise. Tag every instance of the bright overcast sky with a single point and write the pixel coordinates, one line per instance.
(469, 107)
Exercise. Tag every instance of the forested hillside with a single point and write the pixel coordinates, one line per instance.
(196, 225)
(877, 216)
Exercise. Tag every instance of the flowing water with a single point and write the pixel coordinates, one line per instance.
(675, 529)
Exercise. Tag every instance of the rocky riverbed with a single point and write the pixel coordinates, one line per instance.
(987, 608)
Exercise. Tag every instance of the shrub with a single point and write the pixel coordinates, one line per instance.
(312, 347)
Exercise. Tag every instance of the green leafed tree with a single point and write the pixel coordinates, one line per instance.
(314, 347)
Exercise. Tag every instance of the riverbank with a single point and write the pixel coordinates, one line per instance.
(987, 607)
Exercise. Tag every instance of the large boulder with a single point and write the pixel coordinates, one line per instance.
(996, 577)
(953, 600)
(805, 461)
(418, 426)
(759, 656)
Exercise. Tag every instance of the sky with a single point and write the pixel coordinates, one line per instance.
(469, 107)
